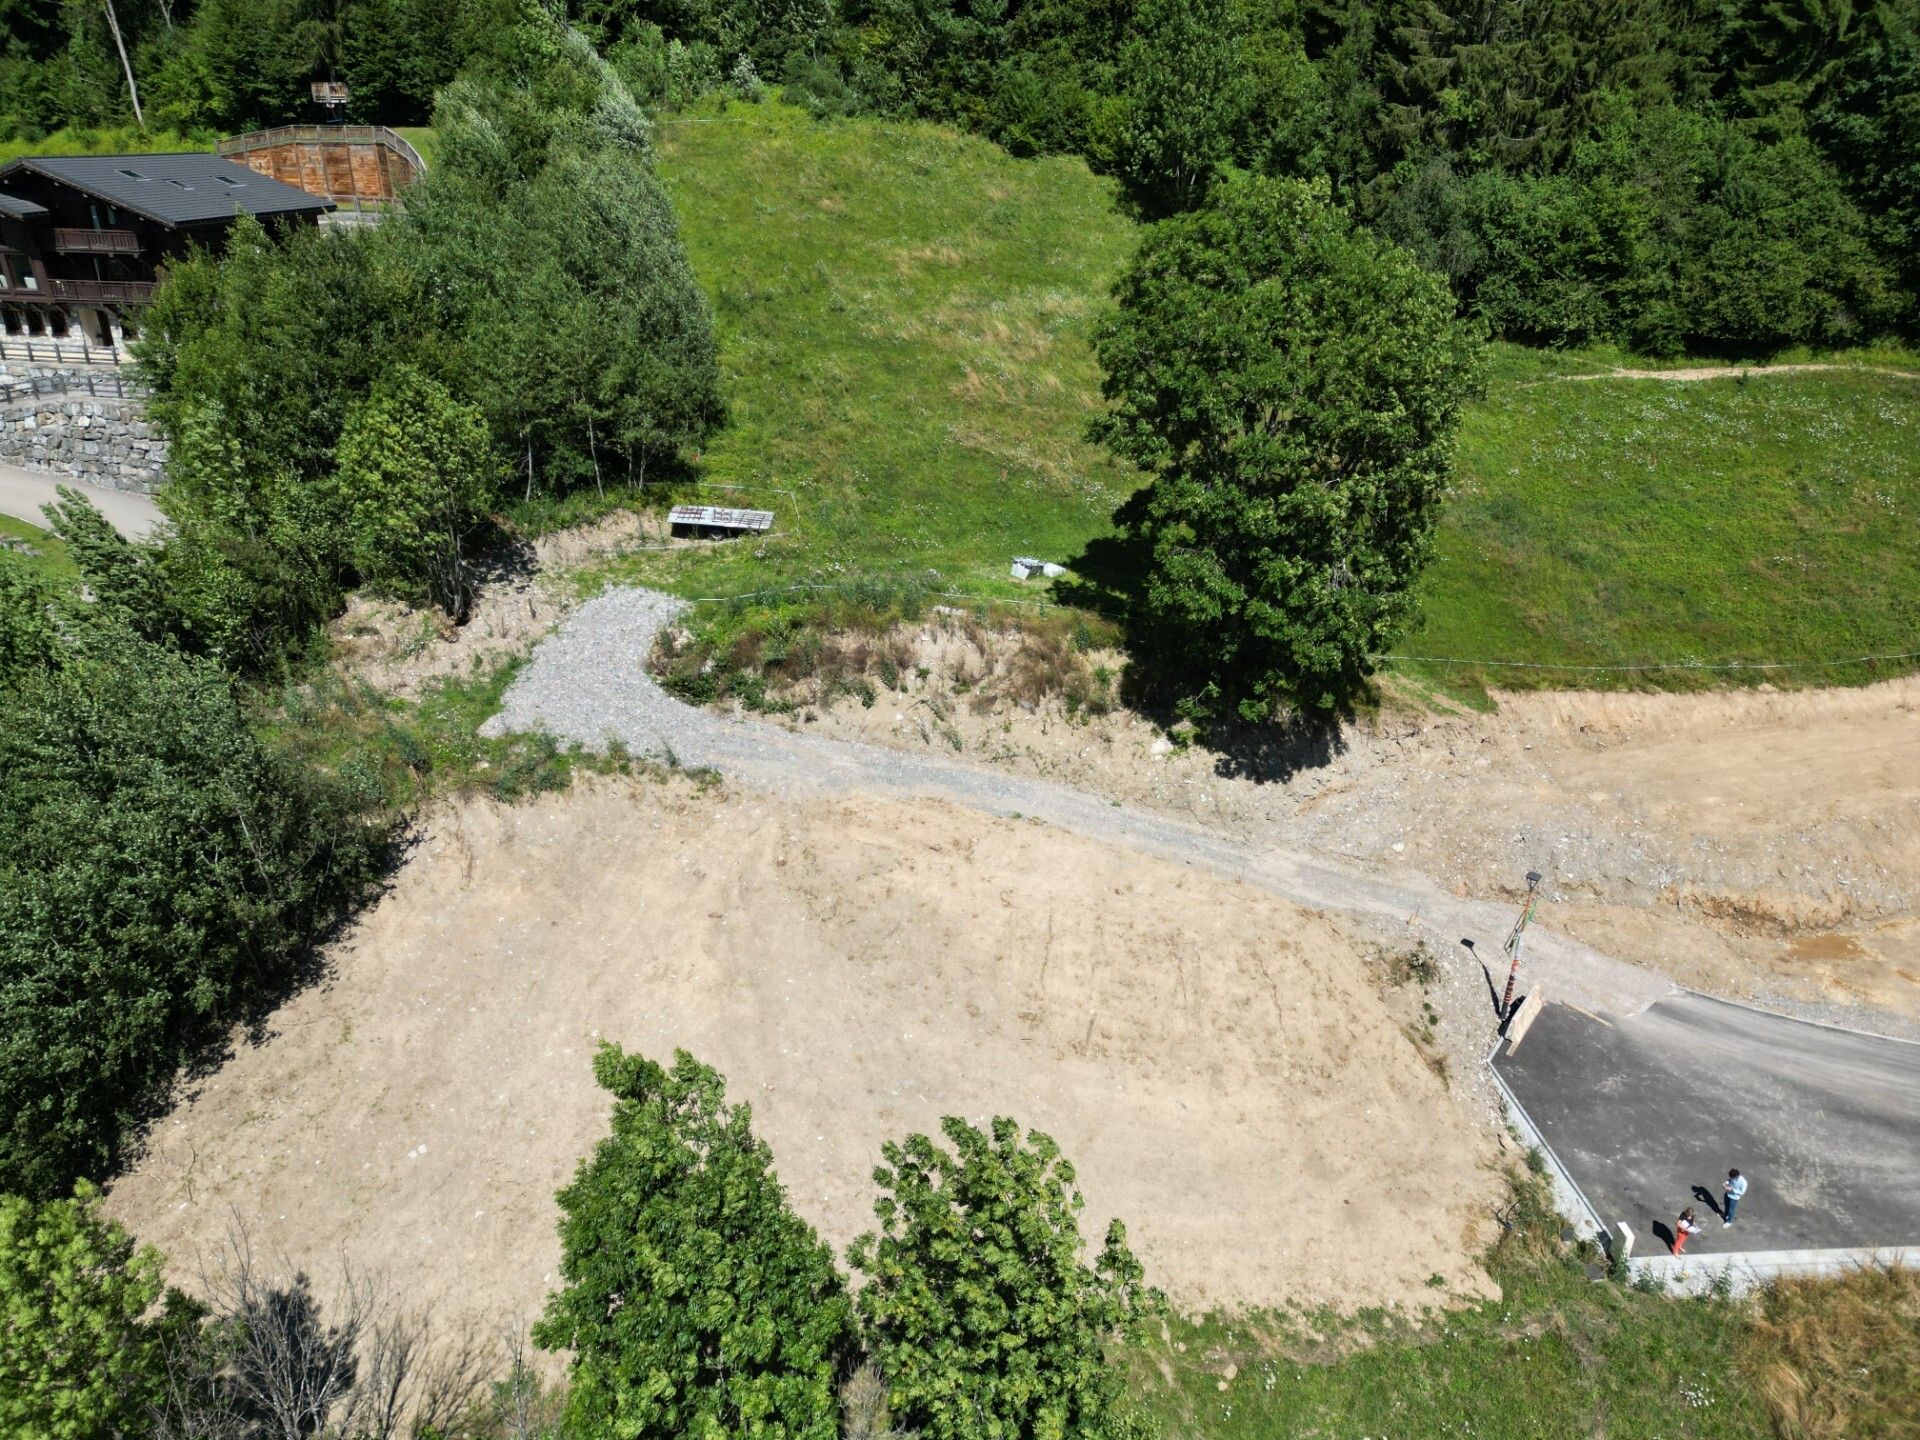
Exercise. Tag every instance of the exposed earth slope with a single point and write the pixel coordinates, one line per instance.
(1215, 1061)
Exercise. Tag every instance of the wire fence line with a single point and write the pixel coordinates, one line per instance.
(1620, 668)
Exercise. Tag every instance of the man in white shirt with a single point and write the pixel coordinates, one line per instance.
(1735, 1187)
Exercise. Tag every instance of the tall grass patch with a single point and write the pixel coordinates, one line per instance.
(785, 655)
(1559, 1356)
(1840, 1359)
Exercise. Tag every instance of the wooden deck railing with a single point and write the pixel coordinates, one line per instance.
(95, 242)
(107, 292)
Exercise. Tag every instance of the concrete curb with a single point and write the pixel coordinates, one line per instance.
(1568, 1198)
(1741, 1271)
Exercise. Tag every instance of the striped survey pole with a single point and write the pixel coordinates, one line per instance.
(1514, 941)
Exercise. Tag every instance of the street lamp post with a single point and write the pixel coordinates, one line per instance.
(1514, 942)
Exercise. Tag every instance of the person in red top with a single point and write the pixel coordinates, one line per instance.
(1683, 1227)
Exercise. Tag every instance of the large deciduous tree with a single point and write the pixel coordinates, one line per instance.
(1293, 383)
(983, 1314)
(697, 1304)
(1186, 91)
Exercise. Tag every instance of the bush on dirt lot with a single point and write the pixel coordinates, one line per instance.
(697, 1303)
(983, 1316)
(159, 869)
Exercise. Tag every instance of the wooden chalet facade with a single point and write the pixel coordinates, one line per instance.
(83, 237)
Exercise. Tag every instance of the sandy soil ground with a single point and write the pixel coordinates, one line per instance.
(1218, 1063)
(1756, 844)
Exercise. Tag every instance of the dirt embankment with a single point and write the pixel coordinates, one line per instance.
(1218, 1063)
(523, 593)
(1753, 843)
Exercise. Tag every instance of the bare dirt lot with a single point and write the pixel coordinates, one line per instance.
(1757, 844)
(1217, 1062)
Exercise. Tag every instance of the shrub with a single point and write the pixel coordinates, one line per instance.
(26, 631)
(415, 473)
(696, 1302)
(79, 1357)
(159, 869)
(983, 1317)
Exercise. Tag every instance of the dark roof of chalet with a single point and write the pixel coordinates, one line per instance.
(16, 208)
(189, 188)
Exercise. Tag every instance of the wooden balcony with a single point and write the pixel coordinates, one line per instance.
(95, 242)
(103, 292)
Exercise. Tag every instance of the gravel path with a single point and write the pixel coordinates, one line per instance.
(588, 682)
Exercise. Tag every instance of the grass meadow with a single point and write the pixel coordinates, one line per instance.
(1559, 1356)
(49, 552)
(904, 316)
(1606, 522)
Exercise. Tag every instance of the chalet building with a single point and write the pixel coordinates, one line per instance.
(84, 237)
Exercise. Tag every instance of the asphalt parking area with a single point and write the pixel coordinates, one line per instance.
(1641, 1110)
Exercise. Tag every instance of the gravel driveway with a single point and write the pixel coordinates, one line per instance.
(589, 682)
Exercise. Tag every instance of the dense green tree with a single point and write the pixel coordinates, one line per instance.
(416, 471)
(536, 276)
(1776, 254)
(256, 360)
(697, 1304)
(1557, 259)
(1868, 123)
(931, 57)
(1185, 97)
(159, 867)
(1779, 57)
(81, 1356)
(603, 339)
(1293, 384)
(394, 54)
(239, 70)
(983, 1314)
(1286, 120)
(27, 636)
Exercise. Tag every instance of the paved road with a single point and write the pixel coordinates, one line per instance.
(23, 492)
(1640, 1109)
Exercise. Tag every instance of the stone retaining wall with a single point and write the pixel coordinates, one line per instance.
(77, 423)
